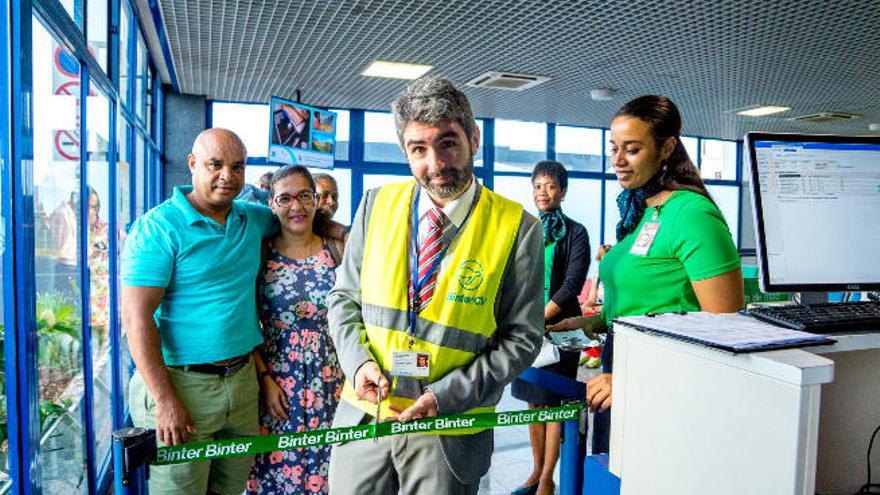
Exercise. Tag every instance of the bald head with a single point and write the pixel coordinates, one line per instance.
(217, 167)
(218, 140)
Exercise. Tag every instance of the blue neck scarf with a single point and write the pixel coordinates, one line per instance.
(553, 225)
(631, 204)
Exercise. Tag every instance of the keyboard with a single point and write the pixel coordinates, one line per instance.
(849, 317)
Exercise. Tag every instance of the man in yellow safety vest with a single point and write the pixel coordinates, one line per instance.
(438, 305)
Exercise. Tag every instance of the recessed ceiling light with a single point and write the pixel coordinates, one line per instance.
(395, 70)
(762, 110)
(874, 127)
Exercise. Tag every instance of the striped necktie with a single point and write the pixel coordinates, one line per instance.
(429, 251)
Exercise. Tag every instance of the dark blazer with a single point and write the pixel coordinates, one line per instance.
(571, 261)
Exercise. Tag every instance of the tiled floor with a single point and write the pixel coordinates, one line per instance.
(512, 460)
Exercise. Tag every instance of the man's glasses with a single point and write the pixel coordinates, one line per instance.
(305, 198)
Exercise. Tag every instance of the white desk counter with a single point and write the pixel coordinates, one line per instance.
(688, 419)
(849, 414)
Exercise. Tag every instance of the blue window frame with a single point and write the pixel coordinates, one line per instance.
(78, 74)
(372, 162)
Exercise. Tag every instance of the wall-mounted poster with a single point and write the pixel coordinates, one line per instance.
(301, 135)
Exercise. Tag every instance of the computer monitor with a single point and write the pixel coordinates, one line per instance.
(816, 203)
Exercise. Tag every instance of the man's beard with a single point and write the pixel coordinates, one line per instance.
(461, 179)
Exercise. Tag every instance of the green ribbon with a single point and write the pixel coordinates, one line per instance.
(244, 446)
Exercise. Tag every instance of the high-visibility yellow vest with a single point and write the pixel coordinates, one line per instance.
(459, 321)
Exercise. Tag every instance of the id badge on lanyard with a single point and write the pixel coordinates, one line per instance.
(411, 363)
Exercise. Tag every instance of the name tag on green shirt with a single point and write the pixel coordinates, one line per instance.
(645, 238)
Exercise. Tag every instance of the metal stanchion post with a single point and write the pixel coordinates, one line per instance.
(574, 448)
(133, 449)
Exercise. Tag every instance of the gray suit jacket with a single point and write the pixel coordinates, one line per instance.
(519, 313)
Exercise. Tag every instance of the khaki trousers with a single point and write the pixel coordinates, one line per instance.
(411, 464)
(220, 408)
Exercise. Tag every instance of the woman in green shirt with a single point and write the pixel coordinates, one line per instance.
(674, 251)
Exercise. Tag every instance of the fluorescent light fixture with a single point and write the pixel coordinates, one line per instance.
(763, 110)
(395, 70)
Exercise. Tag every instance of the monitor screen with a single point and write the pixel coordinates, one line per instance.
(301, 135)
(817, 211)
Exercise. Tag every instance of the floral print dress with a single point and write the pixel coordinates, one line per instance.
(302, 360)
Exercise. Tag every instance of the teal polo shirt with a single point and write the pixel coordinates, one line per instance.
(208, 271)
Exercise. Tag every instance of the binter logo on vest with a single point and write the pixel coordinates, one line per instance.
(470, 278)
(470, 275)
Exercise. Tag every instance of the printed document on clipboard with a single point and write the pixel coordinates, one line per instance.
(730, 331)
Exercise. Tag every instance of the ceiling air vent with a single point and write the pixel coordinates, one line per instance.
(506, 80)
(821, 117)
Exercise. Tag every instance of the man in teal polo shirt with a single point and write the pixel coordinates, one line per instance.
(189, 306)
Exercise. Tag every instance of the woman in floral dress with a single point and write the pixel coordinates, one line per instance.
(299, 373)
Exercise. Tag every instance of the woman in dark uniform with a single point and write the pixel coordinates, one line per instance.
(566, 261)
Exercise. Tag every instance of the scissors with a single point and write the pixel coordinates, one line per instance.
(378, 412)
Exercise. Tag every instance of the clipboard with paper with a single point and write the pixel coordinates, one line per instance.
(732, 332)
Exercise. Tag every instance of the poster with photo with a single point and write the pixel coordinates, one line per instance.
(301, 135)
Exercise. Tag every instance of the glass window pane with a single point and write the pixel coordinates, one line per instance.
(380, 139)
(612, 215)
(727, 199)
(372, 181)
(98, 128)
(140, 171)
(579, 148)
(123, 222)
(124, 46)
(583, 203)
(342, 133)
(97, 29)
(252, 173)
(140, 75)
(516, 188)
(519, 145)
(147, 176)
(718, 160)
(478, 158)
(56, 127)
(690, 144)
(75, 9)
(149, 99)
(747, 229)
(606, 139)
(250, 122)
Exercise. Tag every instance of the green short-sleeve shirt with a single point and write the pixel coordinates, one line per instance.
(692, 243)
(208, 271)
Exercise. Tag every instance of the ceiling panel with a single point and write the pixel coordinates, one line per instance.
(709, 57)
